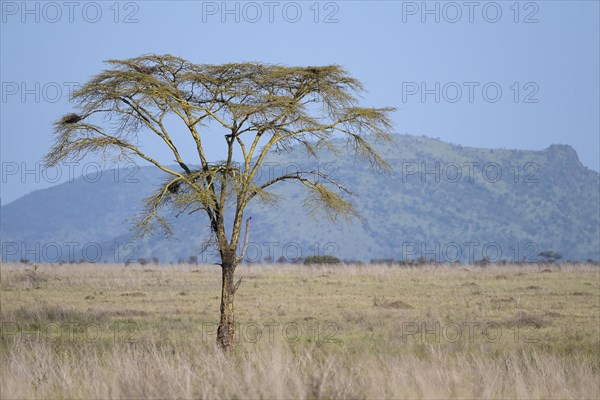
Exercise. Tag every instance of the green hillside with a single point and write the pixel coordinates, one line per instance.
(441, 201)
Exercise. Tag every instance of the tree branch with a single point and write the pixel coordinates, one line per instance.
(246, 238)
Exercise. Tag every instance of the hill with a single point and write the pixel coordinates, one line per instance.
(441, 201)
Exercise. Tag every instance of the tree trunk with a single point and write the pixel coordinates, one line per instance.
(226, 330)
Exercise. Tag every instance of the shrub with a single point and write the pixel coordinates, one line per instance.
(321, 260)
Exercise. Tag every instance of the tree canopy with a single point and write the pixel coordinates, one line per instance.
(261, 107)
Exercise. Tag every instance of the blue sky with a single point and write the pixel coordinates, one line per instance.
(488, 74)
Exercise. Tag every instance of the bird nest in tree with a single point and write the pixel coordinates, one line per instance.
(144, 69)
(71, 119)
(174, 187)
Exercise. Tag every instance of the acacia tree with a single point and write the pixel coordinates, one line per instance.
(256, 107)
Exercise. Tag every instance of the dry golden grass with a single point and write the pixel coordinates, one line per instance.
(97, 331)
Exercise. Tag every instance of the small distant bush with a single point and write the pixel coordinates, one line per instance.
(321, 260)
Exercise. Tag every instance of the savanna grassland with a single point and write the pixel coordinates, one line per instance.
(98, 331)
